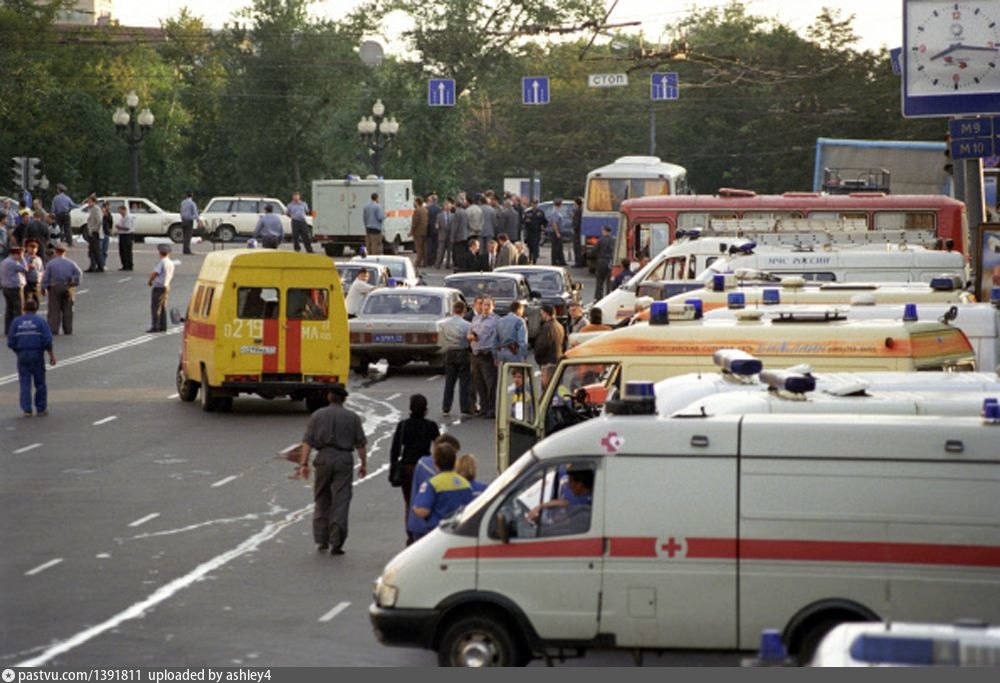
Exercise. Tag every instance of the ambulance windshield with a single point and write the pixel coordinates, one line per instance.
(497, 485)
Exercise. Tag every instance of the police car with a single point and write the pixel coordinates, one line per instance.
(964, 643)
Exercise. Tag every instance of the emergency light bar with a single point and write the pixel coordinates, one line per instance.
(946, 283)
(771, 296)
(782, 380)
(991, 411)
(737, 362)
(910, 313)
(723, 281)
(876, 648)
(661, 314)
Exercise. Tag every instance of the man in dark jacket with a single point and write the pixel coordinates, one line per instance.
(476, 259)
(549, 343)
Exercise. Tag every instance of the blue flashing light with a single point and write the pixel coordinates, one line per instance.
(793, 382)
(658, 313)
(771, 296)
(991, 410)
(391, 282)
(995, 296)
(363, 251)
(719, 282)
(737, 362)
(771, 647)
(882, 649)
(910, 313)
(736, 300)
(698, 307)
(637, 391)
(944, 283)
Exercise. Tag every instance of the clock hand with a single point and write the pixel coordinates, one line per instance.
(977, 48)
(946, 51)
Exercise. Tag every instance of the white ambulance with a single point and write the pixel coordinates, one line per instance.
(677, 533)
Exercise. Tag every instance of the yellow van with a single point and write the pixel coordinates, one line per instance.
(582, 381)
(264, 322)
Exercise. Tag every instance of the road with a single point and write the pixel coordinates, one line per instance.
(140, 531)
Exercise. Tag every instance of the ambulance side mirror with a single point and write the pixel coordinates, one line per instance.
(503, 528)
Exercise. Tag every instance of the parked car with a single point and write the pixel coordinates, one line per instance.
(566, 210)
(553, 284)
(226, 218)
(400, 267)
(504, 288)
(966, 643)
(401, 325)
(378, 275)
(150, 220)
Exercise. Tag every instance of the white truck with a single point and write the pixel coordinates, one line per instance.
(680, 533)
(339, 207)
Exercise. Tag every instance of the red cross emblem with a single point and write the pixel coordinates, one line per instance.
(672, 547)
(612, 442)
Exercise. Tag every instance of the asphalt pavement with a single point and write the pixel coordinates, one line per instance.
(140, 531)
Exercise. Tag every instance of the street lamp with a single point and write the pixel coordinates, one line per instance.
(377, 132)
(133, 129)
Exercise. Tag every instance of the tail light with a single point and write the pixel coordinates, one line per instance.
(360, 338)
(242, 378)
(322, 379)
(422, 338)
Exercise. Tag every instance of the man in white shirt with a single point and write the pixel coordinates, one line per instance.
(126, 234)
(159, 280)
(356, 294)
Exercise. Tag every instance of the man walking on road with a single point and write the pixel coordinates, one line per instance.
(30, 337)
(189, 214)
(335, 432)
(374, 220)
(297, 210)
(59, 283)
(159, 280)
(605, 254)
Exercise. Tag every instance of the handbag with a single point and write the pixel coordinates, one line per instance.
(396, 474)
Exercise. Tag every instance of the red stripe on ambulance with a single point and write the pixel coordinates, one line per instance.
(271, 338)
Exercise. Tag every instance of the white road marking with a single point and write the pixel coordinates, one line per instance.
(143, 520)
(335, 611)
(124, 279)
(456, 423)
(82, 291)
(96, 353)
(434, 378)
(105, 421)
(42, 567)
(27, 448)
(223, 482)
(172, 396)
(393, 397)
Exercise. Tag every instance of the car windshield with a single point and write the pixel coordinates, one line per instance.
(473, 287)
(406, 303)
(544, 283)
(498, 485)
(349, 274)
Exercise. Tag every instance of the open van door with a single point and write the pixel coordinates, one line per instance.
(517, 412)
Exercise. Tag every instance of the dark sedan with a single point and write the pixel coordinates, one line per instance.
(503, 288)
(553, 284)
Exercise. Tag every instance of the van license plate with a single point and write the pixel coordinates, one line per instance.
(388, 338)
(258, 350)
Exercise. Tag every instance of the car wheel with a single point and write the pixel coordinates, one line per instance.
(176, 233)
(478, 641)
(209, 401)
(225, 233)
(186, 389)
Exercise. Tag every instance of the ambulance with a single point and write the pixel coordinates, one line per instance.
(527, 411)
(690, 264)
(679, 533)
(265, 322)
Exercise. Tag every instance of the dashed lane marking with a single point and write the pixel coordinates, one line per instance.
(42, 567)
(27, 448)
(335, 611)
(143, 520)
(104, 421)
(223, 482)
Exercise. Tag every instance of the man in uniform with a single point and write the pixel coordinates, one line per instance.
(30, 337)
(126, 236)
(454, 340)
(59, 283)
(189, 214)
(335, 432)
(483, 342)
(441, 495)
(268, 231)
(159, 280)
(297, 210)
(61, 205)
(357, 292)
(92, 233)
(12, 281)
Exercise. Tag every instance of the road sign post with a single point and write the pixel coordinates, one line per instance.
(535, 90)
(664, 86)
(441, 92)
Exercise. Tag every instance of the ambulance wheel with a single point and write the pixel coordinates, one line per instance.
(176, 233)
(186, 389)
(209, 401)
(477, 641)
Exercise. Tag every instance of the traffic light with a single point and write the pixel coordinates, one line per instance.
(32, 174)
(18, 169)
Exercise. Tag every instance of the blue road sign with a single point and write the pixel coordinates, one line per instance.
(664, 86)
(441, 92)
(535, 90)
(896, 57)
(974, 138)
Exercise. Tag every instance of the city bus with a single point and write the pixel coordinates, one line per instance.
(626, 178)
(648, 225)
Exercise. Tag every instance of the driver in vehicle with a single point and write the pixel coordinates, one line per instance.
(569, 513)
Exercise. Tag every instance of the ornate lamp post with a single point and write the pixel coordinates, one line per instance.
(133, 129)
(377, 132)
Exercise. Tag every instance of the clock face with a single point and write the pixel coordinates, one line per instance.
(952, 47)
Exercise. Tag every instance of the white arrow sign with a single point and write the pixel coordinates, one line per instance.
(607, 80)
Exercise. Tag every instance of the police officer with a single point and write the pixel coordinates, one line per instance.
(12, 281)
(59, 283)
(297, 210)
(268, 231)
(334, 431)
(159, 279)
(189, 216)
(30, 337)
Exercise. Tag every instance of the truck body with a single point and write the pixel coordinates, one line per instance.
(339, 213)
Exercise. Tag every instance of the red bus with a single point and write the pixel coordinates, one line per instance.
(649, 224)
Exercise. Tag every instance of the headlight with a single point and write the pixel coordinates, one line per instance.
(385, 595)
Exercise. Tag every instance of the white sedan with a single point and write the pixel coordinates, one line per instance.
(400, 267)
(150, 220)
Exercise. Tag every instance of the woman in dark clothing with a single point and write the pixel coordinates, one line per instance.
(411, 441)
